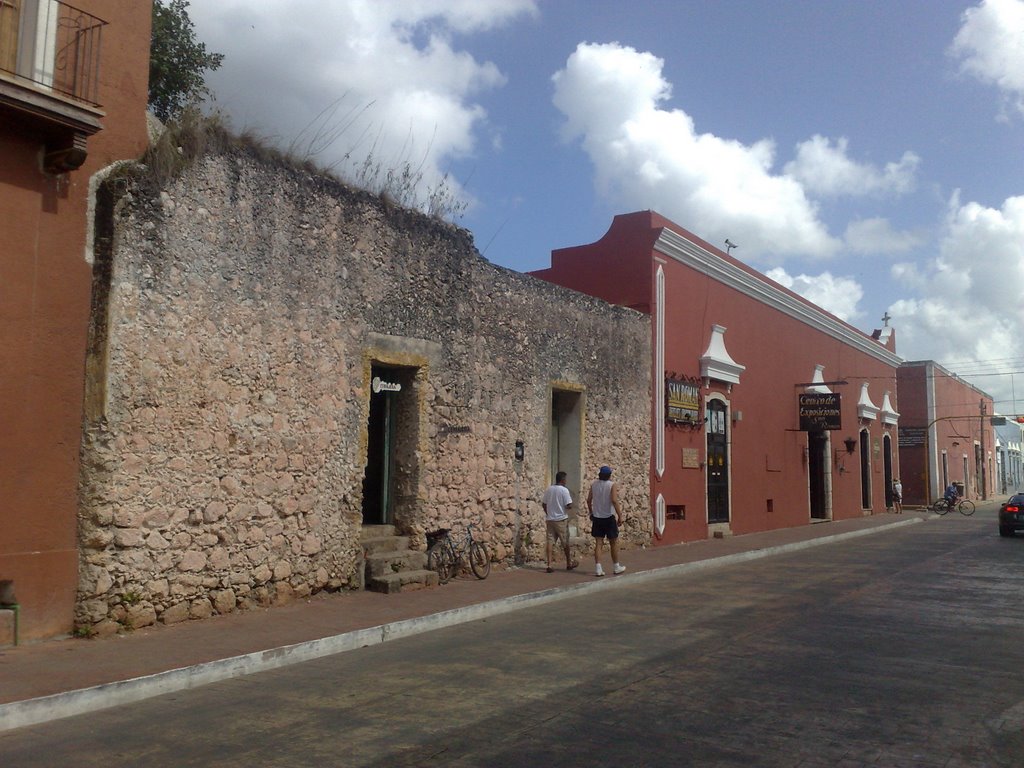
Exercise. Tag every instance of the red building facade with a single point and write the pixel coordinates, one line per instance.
(768, 412)
(946, 435)
(73, 93)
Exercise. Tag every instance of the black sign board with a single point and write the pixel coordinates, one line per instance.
(820, 411)
(912, 437)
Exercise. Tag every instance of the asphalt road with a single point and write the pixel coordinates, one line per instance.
(900, 649)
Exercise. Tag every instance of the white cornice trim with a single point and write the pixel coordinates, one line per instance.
(677, 247)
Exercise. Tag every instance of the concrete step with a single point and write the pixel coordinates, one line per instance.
(402, 581)
(384, 563)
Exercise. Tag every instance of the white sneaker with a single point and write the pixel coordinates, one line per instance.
(599, 571)
(619, 568)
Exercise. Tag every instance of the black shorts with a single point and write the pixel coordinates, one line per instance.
(604, 527)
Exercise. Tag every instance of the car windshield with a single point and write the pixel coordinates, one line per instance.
(1017, 500)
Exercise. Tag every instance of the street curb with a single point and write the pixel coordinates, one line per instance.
(19, 714)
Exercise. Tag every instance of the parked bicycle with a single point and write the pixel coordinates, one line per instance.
(446, 554)
(963, 506)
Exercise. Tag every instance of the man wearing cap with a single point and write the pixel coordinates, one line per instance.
(605, 517)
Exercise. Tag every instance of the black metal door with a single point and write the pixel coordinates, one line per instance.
(718, 463)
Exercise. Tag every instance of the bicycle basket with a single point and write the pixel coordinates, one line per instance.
(435, 536)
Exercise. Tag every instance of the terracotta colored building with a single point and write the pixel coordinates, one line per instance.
(73, 92)
(768, 412)
(946, 434)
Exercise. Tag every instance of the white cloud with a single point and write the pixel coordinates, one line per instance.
(838, 295)
(991, 45)
(646, 156)
(347, 80)
(970, 308)
(876, 236)
(826, 169)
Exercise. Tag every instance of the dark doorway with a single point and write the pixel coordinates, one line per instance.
(718, 463)
(565, 441)
(817, 467)
(391, 434)
(865, 470)
(887, 466)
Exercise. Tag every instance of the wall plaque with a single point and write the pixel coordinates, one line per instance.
(691, 458)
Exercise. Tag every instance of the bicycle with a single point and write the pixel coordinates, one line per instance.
(963, 506)
(446, 554)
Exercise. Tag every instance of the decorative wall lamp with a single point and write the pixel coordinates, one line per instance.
(851, 444)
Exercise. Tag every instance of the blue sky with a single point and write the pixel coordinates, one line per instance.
(869, 155)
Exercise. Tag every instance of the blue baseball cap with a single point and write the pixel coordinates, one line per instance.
(605, 472)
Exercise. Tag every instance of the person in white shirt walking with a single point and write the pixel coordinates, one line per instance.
(556, 503)
(605, 518)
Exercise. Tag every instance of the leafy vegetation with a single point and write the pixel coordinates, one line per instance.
(177, 61)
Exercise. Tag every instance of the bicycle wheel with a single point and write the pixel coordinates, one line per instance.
(940, 507)
(439, 559)
(479, 560)
(966, 507)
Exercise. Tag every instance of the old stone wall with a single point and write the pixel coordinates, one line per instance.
(236, 317)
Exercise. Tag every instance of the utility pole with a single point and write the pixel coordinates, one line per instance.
(981, 453)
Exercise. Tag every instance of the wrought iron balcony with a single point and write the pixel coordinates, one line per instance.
(49, 76)
(52, 45)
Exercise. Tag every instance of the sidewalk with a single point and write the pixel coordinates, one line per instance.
(59, 678)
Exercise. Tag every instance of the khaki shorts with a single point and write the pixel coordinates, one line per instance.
(558, 530)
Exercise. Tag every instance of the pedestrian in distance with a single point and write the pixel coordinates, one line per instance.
(557, 502)
(605, 519)
(897, 496)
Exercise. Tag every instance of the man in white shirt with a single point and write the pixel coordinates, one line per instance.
(556, 503)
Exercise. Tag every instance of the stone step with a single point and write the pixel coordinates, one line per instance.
(384, 544)
(377, 531)
(402, 581)
(384, 563)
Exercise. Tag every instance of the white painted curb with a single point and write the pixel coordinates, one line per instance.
(19, 714)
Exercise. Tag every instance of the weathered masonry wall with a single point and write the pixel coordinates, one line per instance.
(236, 320)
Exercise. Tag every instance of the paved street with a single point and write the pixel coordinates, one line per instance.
(900, 649)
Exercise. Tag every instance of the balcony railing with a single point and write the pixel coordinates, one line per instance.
(53, 45)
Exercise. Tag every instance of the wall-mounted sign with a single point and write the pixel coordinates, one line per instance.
(379, 385)
(820, 411)
(912, 437)
(682, 398)
(461, 429)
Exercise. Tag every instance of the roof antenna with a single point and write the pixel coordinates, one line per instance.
(729, 245)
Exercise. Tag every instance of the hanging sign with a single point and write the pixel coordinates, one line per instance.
(682, 398)
(820, 411)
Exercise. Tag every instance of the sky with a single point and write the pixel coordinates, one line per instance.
(867, 155)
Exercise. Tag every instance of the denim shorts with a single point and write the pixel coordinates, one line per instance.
(604, 527)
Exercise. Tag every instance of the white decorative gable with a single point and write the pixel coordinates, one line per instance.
(865, 408)
(716, 363)
(818, 381)
(889, 415)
